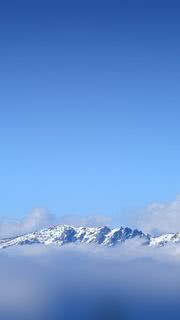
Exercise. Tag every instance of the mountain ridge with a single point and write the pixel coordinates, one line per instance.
(66, 234)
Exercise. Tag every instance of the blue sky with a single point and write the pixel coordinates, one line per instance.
(89, 106)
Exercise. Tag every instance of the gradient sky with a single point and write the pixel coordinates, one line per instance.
(89, 105)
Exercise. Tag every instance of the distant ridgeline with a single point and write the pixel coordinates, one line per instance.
(104, 236)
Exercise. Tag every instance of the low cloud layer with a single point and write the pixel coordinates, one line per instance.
(90, 283)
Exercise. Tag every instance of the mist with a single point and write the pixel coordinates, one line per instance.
(90, 282)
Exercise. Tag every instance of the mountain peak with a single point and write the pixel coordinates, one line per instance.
(65, 234)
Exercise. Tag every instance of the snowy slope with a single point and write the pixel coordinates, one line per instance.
(165, 239)
(65, 234)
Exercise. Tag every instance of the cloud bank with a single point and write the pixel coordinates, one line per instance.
(156, 218)
(89, 283)
(38, 218)
(160, 217)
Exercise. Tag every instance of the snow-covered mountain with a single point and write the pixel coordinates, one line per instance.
(65, 234)
(164, 239)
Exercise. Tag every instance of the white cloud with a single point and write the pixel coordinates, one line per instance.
(87, 221)
(37, 218)
(160, 217)
(41, 218)
(89, 282)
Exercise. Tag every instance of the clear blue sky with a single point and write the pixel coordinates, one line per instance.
(89, 105)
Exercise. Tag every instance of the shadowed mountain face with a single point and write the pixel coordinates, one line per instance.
(65, 234)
